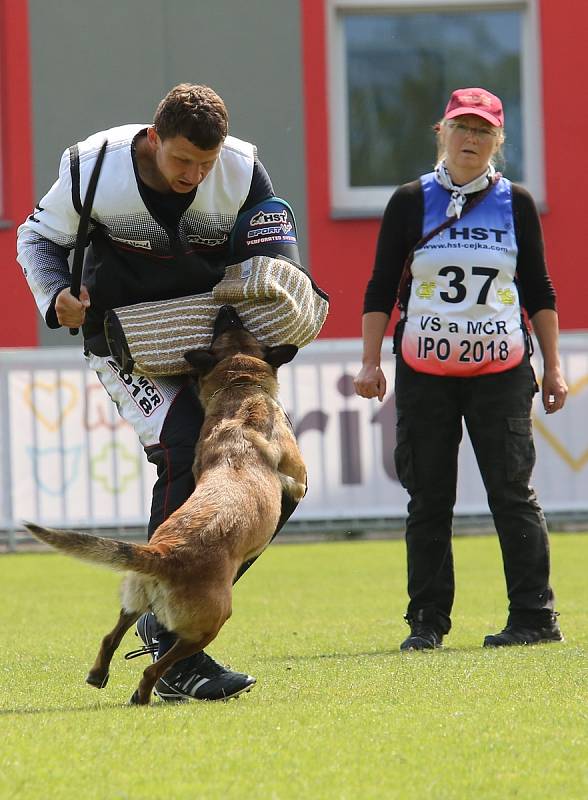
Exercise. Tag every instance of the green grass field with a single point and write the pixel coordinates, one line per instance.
(338, 712)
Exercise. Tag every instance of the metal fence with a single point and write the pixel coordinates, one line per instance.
(68, 460)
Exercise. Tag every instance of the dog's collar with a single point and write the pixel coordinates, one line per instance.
(234, 385)
(276, 403)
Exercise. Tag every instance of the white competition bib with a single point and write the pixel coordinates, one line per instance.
(463, 314)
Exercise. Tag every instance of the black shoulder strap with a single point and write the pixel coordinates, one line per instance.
(74, 169)
(406, 276)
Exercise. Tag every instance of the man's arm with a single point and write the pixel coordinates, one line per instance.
(44, 241)
(554, 388)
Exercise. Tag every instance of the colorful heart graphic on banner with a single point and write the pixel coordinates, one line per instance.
(55, 469)
(40, 397)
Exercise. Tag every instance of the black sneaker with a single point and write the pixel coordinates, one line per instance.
(518, 634)
(422, 637)
(199, 677)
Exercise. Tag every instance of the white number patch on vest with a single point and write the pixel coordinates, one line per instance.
(140, 389)
(463, 314)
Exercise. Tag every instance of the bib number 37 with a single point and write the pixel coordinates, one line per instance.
(459, 288)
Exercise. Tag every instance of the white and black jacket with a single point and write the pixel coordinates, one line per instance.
(134, 256)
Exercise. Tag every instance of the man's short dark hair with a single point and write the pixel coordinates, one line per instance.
(195, 112)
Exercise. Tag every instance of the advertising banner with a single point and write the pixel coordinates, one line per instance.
(68, 459)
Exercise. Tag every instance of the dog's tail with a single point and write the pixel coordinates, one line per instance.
(110, 552)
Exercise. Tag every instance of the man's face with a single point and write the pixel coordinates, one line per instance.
(181, 164)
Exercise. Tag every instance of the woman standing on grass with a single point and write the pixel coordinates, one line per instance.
(462, 352)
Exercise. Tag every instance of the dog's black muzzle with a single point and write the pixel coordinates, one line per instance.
(227, 319)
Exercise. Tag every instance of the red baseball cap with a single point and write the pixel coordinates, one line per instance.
(476, 101)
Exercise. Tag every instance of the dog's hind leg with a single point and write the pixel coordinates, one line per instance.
(98, 675)
(182, 648)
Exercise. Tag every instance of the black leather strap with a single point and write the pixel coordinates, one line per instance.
(74, 169)
(406, 276)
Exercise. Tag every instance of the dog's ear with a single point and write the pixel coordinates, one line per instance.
(201, 360)
(280, 354)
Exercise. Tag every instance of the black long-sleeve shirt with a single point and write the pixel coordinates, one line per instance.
(402, 227)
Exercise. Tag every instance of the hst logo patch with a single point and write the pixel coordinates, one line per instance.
(270, 218)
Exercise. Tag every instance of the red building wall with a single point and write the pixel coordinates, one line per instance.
(564, 40)
(18, 313)
(341, 251)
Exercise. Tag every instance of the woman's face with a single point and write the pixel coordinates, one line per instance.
(469, 143)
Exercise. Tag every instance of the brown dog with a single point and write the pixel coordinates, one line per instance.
(247, 466)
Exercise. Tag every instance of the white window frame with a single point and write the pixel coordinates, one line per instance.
(348, 201)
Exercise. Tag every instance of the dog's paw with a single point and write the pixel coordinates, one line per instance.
(97, 680)
(294, 489)
(136, 700)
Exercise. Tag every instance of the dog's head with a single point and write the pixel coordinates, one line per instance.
(248, 356)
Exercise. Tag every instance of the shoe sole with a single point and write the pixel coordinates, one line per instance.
(177, 698)
(424, 644)
(523, 644)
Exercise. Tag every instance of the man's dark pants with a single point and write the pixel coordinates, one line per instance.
(497, 412)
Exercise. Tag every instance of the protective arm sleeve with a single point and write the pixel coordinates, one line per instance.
(261, 186)
(44, 241)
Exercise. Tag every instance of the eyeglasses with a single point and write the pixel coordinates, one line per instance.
(466, 130)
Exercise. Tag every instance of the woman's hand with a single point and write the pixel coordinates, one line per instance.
(553, 386)
(554, 390)
(370, 382)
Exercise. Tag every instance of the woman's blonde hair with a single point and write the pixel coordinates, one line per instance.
(497, 157)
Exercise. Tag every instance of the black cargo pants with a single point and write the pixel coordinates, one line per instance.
(497, 412)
